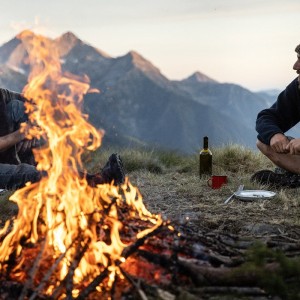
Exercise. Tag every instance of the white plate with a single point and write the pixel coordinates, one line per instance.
(248, 195)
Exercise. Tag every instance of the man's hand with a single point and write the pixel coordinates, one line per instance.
(26, 145)
(279, 143)
(293, 147)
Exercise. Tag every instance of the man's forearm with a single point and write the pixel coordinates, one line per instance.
(10, 140)
(8, 95)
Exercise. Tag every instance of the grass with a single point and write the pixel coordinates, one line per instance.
(170, 185)
(274, 283)
(7, 208)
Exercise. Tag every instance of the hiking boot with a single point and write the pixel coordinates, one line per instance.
(267, 177)
(113, 170)
(281, 171)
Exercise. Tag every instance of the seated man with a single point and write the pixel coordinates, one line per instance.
(271, 125)
(17, 165)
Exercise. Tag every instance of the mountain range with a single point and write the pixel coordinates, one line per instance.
(138, 105)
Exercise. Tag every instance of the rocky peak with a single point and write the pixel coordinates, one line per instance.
(144, 65)
(199, 77)
(66, 42)
(139, 62)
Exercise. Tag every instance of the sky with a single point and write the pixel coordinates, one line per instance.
(246, 42)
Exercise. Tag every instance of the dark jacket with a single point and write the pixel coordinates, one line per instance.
(9, 155)
(281, 116)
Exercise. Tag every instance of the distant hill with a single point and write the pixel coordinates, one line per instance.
(269, 95)
(140, 106)
(199, 77)
(231, 100)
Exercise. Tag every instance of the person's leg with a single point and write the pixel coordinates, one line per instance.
(288, 162)
(112, 171)
(290, 178)
(15, 176)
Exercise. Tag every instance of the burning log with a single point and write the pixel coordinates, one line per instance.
(73, 229)
(163, 263)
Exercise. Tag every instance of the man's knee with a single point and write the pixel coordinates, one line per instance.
(265, 149)
(16, 176)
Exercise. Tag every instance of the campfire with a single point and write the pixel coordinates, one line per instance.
(73, 241)
(66, 239)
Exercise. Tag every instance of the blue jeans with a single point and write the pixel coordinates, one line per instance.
(15, 176)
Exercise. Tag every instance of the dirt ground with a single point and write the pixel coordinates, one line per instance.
(188, 199)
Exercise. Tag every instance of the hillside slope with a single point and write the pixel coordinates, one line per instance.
(138, 103)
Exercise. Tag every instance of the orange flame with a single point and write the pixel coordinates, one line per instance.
(64, 202)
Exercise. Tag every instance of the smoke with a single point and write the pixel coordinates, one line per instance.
(38, 26)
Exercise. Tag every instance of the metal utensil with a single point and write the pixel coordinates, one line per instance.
(237, 191)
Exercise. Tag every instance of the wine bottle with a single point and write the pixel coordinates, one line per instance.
(205, 159)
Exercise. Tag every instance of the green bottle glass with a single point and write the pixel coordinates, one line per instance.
(205, 159)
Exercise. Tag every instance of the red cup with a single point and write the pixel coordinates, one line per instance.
(216, 181)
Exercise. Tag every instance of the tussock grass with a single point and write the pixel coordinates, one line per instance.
(154, 161)
(229, 159)
(170, 185)
(238, 159)
(7, 208)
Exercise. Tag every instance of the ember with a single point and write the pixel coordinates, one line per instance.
(66, 238)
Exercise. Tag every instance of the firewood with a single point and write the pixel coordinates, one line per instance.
(29, 282)
(46, 277)
(80, 250)
(245, 291)
(129, 250)
(137, 286)
(92, 286)
(207, 275)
